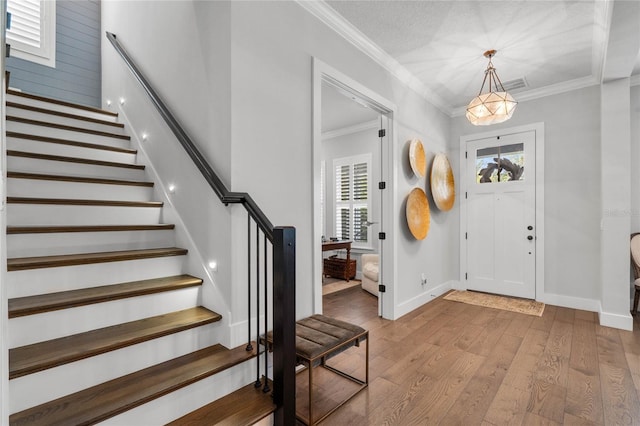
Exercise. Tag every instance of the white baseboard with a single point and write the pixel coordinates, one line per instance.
(622, 322)
(425, 297)
(573, 302)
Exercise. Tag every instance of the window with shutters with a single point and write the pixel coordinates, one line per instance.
(32, 35)
(353, 199)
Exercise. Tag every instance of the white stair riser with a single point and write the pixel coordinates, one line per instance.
(64, 168)
(61, 108)
(49, 244)
(182, 401)
(50, 280)
(50, 132)
(35, 389)
(29, 145)
(52, 118)
(18, 187)
(52, 325)
(46, 214)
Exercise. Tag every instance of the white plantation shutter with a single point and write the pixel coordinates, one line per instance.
(352, 198)
(32, 32)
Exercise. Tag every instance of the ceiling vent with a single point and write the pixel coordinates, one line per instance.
(518, 83)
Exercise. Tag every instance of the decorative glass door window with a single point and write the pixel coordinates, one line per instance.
(500, 163)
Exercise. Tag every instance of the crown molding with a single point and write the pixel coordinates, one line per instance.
(552, 89)
(346, 30)
(603, 13)
(367, 125)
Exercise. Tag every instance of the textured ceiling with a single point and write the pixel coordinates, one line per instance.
(441, 43)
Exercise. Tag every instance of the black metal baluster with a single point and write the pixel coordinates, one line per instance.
(249, 346)
(266, 388)
(258, 383)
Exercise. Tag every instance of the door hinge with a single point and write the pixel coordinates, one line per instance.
(465, 154)
(382, 133)
(382, 288)
(466, 276)
(465, 195)
(382, 185)
(382, 235)
(465, 236)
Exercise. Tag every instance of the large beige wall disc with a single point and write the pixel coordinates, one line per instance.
(443, 188)
(418, 215)
(417, 158)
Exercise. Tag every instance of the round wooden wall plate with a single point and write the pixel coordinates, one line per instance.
(417, 158)
(418, 216)
(443, 187)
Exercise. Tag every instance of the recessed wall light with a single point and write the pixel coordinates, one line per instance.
(108, 102)
(213, 265)
(172, 188)
(145, 136)
(121, 101)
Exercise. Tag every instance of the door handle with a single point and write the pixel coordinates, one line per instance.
(529, 237)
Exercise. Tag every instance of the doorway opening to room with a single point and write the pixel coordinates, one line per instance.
(351, 150)
(502, 214)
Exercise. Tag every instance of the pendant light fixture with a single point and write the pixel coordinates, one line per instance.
(493, 106)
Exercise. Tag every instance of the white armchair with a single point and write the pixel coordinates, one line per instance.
(370, 273)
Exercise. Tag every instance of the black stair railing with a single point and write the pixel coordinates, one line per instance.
(283, 248)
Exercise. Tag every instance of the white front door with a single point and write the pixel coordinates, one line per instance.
(500, 234)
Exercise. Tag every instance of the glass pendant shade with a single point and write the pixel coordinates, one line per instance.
(493, 106)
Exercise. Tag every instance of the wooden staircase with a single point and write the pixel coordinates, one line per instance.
(102, 317)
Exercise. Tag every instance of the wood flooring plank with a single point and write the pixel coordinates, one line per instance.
(531, 419)
(519, 325)
(59, 102)
(108, 399)
(525, 363)
(78, 160)
(77, 179)
(545, 322)
(31, 305)
(66, 127)
(52, 353)
(64, 114)
(486, 341)
(621, 397)
(24, 263)
(472, 404)
(508, 407)
(86, 228)
(47, 139)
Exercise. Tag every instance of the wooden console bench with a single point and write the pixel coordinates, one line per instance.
(318, 338)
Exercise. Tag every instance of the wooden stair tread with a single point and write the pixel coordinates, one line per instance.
(38, 156)
(108, 399)
(244, 407)
(31, 305)
(78, 179)
(63, 114)
(66, 127)
(53, 353)
(79, 202)
(86, 228)
(23, 263)
(59, 102)
(47, 139)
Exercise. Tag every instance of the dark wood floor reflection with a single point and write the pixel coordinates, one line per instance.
(455, 364)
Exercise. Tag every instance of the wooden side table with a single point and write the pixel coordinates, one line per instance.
(338, 245)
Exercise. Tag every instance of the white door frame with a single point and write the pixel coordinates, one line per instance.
(323, 72)
(538, 129)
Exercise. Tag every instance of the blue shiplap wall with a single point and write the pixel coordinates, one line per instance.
(77, 76)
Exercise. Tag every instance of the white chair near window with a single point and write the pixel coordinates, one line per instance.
(370, 273)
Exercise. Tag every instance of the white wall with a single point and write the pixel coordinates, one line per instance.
(572, 188)
(238, 75)
(635, 158)
(273, 43)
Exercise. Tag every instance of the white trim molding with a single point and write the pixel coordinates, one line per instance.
(349, 130)
(622, 322)
(423, 298)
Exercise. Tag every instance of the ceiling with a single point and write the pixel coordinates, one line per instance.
(554, 45)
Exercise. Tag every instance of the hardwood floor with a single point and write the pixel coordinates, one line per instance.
(454, 364)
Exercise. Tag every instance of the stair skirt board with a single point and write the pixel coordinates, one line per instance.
(21, 245)
(65, 322)
(25, 393)
(31, 282)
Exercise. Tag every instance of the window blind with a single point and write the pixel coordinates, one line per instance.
(25, 21)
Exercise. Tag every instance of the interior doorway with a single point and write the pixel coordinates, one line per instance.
(502, 213)
(352, 142)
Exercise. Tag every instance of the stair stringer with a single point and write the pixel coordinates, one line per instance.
(213, 293)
